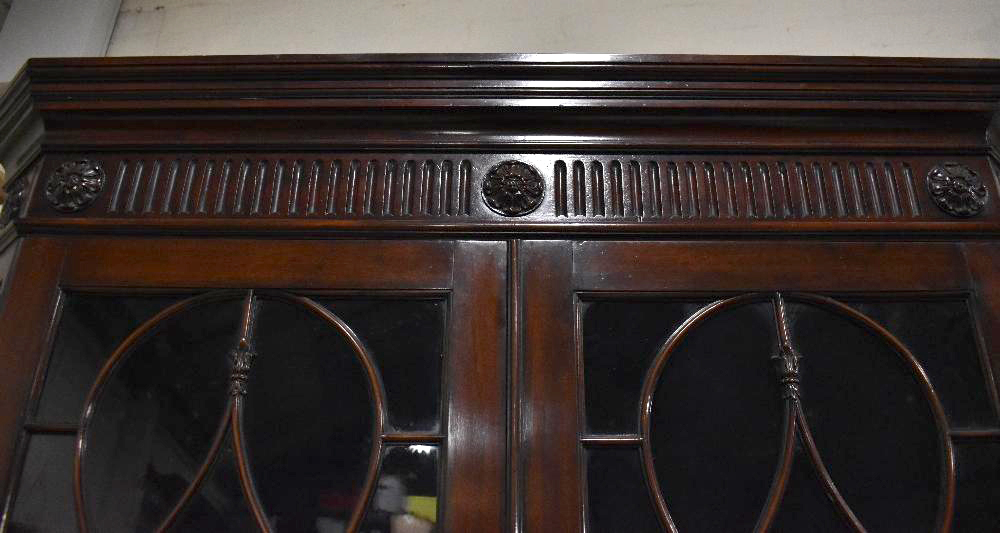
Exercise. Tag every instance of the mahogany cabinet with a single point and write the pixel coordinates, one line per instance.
(501, 293)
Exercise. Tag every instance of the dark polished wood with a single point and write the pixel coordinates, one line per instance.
(477, 426)
(549, 467)
(984, 263)
(756, 265)
(470, 273)
(519, 188)
(25, 327)
(95, 262)
(399, 144)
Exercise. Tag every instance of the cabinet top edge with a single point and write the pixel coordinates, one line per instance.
(527, 58)
(283, 75)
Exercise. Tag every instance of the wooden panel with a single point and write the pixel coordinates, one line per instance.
(7, 256)
(476, 477)
(323, 193)
(349, 185)
(231, 185)
(984, 269)
(220, 263)
(738, 188)
(748, 266)
(202, 153)
(550, 461)
(25, 322)
(378, 102)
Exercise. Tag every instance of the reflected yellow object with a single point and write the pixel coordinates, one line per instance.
(424, 507)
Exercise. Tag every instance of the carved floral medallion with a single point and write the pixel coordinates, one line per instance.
(513, 189)
(957, 189)
(75, 185)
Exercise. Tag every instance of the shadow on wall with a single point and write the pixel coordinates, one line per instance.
(4, 8)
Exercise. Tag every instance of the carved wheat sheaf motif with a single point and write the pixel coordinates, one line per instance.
(293, 188)
(737, 189)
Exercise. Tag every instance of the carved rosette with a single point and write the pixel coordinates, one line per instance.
(513, 189)
(75, 185)
(957, 189)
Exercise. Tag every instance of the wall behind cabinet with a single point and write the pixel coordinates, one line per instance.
(956, 28)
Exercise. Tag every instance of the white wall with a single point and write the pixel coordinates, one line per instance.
(54, 28)
(956, 28)
(942, 28)
(4, 8)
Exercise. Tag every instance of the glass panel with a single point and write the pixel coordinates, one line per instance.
(308, 418)
(617, 496)
(941, 337)
(716, 422)
(806, 506)
(977, 506)
(155, 420)
(219, 504)
(45, 492)
(406, 339)
(90, 328)
(620, 340)
(870, 419)
(405, 497)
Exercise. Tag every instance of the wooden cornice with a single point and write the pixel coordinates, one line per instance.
(540, 102)
(627, 120)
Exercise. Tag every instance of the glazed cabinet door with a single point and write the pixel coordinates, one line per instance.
(760, 386)
(285, 386)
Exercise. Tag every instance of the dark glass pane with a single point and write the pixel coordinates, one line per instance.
(941, 337)
(716, 422)
(155, 420)
(406, 339)
(977, 505)
(44, 497)
(91, 327)
(219, 504)
(406, 496)
(620, 340)
(617, 496)
(806, 506)
(309, 417)
(870, 419)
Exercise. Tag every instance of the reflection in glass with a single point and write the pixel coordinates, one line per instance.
(717, 414)
(620, 340)
(44, 497)
(91, 326)
(308, 415)
(219, 504)
(405, 337)
(309, 418)
(156, 417)
(405, 499)
(718, 388)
